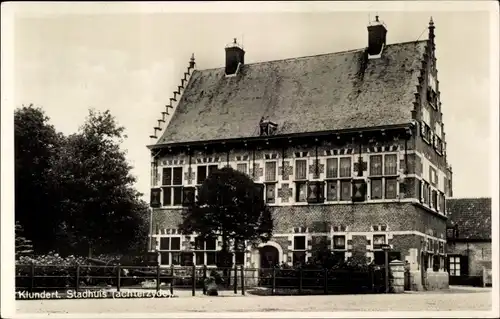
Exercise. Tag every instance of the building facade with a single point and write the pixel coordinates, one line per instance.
(469, 241)
(349, 147)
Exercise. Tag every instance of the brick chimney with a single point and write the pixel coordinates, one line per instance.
(235, 55)
(376, 37)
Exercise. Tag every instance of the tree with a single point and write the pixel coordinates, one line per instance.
(103, 212)
(36, 144)
(229, 205)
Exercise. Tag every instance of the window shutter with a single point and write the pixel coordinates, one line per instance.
(155, 197)
(201, 174)
(358, 190)
(312, 192)
(188, 196)
(464, 265)
(260, 191)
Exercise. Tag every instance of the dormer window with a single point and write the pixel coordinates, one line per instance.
(268, 128)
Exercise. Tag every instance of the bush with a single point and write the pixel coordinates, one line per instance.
(341, 277)
(55, 272)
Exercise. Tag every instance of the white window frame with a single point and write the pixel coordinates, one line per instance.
(301, 180)
(384, 177)
(172, 186)
(343, 250)
(274, 182)
(332, 180)
(205, 252)
(169, 251)
(206, 166)
(454, 270)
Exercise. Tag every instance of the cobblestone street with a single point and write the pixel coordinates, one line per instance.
(457, 299)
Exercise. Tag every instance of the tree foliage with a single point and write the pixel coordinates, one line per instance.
(230, 205)
(84, 184)
(36, 145)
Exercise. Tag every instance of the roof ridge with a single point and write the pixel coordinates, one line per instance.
(314, 55)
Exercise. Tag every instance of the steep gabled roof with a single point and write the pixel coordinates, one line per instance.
(472, 216)
(326, 92)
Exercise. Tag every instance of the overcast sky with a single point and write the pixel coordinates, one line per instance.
(130, 63)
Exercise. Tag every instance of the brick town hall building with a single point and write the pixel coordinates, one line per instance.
(350, 148)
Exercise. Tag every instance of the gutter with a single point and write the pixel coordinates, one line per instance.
(283, 136)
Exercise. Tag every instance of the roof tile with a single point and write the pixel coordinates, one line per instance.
(472, 217)
(310, 94)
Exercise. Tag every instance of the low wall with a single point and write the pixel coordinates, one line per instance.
(416, 281)
(437, 280)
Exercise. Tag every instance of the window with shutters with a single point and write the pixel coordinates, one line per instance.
(270, 181)
(203, 171)
(205, 251)
(299, 250)
(170, 250)
(383, 174)
(315, 192)
(172, 186)
(301, 180)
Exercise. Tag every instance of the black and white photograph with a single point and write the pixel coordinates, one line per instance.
(250, 159)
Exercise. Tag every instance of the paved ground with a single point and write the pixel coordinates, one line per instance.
(457, 299)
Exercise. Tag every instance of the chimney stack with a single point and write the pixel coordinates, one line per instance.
(234, 56)
(376, 37)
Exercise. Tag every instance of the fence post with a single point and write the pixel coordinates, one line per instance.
(204, 277)
(32, 285)
(194, 280)
(235, 283)
(157, 277)
(118, 276)
(273, 287)
(172, 279)
(300, 279)
(242, 280)
(77, 284)
(372, 273)
(326, 281)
